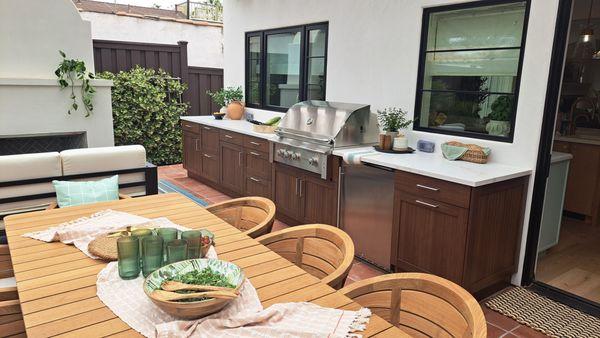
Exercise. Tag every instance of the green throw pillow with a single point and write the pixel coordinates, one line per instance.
(73, 193)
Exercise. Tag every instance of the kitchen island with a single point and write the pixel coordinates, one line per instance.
(455, 219)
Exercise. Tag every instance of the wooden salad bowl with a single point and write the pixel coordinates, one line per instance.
(196, 309)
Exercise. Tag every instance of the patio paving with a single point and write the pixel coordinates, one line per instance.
(498, 325)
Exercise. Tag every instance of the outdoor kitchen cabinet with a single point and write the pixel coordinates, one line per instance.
(303, 197)
(201, 151)
(469, 235)
(232, 167)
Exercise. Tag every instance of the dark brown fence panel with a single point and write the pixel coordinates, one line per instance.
(200, 80)
(116, 56)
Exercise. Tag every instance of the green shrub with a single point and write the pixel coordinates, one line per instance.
(146, 109)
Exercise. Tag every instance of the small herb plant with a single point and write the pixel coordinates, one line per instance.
(225, 96)
(393, 119)
(70, 70)
(501, 108)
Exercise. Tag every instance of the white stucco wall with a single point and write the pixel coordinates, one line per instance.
(373, 51)
(31, 102)
(205, 43)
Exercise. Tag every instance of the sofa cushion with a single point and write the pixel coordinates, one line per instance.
(90, 160)
(70, 193)
(28, 166)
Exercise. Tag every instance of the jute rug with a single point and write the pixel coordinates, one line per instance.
(542, 314)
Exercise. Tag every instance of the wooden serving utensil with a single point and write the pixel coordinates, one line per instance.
(178, 286)
(171, 296)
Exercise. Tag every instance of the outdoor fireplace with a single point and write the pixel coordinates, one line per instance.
(40, 143)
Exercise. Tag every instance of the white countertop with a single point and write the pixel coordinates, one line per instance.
(427, 164)
(238, 126)
(434, 165)
(560, 157)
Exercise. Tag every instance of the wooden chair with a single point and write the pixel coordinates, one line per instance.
(54, 205)
(323, 251)
(422, 305)
(11, 318)
(253, 215)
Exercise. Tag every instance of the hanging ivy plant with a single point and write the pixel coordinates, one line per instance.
(70, 70)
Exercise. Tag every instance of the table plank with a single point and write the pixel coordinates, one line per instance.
(57, 283)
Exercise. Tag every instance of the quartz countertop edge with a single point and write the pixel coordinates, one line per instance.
(237, 126)
(435, 166)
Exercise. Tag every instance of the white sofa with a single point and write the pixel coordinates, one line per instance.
(26, 180)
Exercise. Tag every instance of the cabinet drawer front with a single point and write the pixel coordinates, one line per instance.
(563, 147)
(257, 164)
(190, 126)
(256, 186)
(256, 143)
(210, 167)
(231, 137)
(439, 190)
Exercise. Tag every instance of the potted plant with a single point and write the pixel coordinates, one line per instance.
(392, 120)
(499, 124)
(229, 99)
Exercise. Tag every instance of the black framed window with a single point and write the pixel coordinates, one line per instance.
(470, 68)
(285, 66)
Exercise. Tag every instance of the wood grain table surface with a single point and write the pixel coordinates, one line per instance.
(57, 282)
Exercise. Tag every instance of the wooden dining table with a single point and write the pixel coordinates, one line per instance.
(57, 282)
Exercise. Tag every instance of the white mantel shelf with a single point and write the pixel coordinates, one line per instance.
(49, 82)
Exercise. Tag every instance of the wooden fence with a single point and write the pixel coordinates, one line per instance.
(116, 56)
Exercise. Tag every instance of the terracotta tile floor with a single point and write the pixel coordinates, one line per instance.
(498, 325)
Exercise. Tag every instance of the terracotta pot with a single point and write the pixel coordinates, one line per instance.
(235, 110)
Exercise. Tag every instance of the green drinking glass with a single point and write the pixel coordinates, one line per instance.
(128, 250)
(140, 234)
(193, 238)
(167, 234)
(152, 254)
(176, 250)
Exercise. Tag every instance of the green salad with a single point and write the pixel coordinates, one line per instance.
(201, 277)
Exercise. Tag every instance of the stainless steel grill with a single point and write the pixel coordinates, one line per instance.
(311, 130)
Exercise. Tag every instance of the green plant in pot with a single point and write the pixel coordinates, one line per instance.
(392, 121)
(502, 109)
(230, 101)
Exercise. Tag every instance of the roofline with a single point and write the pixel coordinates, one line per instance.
(161, 18)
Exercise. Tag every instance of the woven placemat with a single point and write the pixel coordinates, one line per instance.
(545, 315)
(104, 247)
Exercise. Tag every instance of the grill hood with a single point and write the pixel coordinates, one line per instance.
(332, 124)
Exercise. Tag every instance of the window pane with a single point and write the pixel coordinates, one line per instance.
(483, 27)
(464, 111)
(283, 69)
(253, 81)
(497, 70)
(316, 42)
(316, 79)
(254, 47)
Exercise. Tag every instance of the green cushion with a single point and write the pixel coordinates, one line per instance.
(76, 193)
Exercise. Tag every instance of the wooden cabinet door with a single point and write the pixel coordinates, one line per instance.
(582, 183)
(318, 201)
(232, 168)
(286, 183)
(210, 166)
(431, 236)
(192, 157)
(210, 139)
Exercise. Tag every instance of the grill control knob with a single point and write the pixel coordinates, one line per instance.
(313, 161)
(295, 156)
(287, 154)
(281, 152)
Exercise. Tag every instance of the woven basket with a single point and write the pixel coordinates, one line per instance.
(475, 153)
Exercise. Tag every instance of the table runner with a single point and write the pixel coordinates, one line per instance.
(82, 231)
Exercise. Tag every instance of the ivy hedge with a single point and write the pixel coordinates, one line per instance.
(146, 107)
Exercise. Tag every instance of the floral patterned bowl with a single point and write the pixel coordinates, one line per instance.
(197, 309)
